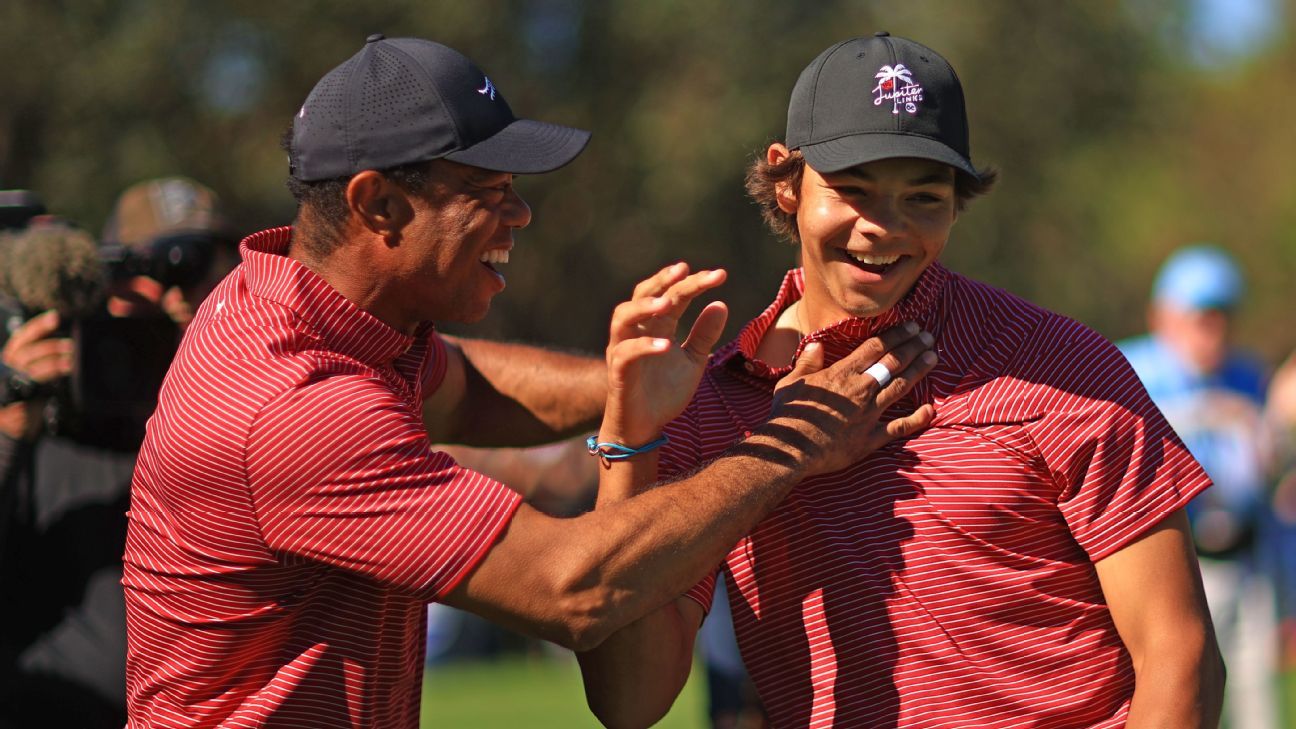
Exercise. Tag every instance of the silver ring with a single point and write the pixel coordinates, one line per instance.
(879, 372)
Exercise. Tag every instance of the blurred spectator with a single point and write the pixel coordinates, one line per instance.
(1280, 412)
(66, 457)
(1213, 394)
(732, 701)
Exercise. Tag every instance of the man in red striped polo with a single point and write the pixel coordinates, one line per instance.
(1024, 561)
(289, 518)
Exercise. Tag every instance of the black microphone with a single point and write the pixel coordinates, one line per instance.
(51, 265)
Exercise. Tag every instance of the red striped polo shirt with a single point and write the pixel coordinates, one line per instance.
(947, 580)
(289, 519)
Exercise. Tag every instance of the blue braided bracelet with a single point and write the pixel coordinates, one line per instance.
(618, 452)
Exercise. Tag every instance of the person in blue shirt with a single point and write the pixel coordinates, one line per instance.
(1214, 394)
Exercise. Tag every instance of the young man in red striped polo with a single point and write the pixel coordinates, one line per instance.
(1024, 561)
(289, 519)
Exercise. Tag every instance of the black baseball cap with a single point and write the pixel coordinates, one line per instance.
(879, 97)
(405, 100)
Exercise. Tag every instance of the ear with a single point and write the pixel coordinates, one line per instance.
(379, 205)
(784, 195)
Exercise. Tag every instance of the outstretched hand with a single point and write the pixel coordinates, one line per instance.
(833, 414)
(650, 377)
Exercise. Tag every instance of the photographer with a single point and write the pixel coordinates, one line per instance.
(90, 330)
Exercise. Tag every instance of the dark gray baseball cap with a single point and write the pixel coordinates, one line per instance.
(405, 100)
(879, 97)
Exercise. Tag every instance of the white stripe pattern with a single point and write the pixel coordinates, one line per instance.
(947, 580)
(289, 520)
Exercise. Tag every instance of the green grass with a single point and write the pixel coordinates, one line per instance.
(540, 692)
(537, 692)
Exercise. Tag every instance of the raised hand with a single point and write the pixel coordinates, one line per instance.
(833, 415)
(650, 377)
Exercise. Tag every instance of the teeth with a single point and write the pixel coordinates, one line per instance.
(497, 255)
(873, 260)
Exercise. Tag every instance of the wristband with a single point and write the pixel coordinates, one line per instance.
(619, 452)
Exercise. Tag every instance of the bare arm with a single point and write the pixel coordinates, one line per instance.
(1153, 588)
(633, 677)
(503, 394)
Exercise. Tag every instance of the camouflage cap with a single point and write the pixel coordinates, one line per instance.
(162, 208)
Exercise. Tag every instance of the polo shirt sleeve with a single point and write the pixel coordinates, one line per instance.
(1117, 464)
(680, 456)
(341, 472)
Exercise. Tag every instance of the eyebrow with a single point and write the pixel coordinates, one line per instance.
(480, 176)
(932, 178)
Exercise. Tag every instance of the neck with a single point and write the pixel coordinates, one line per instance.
(347, 268)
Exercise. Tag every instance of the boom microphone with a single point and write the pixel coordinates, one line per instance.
(51, 265)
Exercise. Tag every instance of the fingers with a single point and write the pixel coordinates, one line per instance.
(656, 284)
(660, 301)
(629, 315)
(706, 330)
(631, 351)
(682, 293)
(31, 353)
(874, 348)
(903, 382)
(34, 329)
(47, 360)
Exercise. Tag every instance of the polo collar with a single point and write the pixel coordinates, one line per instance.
(321, 310)
(838, 339)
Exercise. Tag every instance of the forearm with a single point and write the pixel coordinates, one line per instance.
(633, 678)
(1154, 592)
(576, 581)
(655, 546)
(1178, 684)
(523, 395)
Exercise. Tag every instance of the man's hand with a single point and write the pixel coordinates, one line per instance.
(834, 415)
(32, 353)
(650, 378)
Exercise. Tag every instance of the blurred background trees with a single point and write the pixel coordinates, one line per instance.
(1122, 129)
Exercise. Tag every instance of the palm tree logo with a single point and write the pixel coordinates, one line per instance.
(887, 77)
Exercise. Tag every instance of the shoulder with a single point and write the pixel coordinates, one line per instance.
(1041, 352)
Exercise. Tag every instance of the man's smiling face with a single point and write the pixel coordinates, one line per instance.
(868, 232)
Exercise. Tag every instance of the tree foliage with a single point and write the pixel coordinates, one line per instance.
(1113, 145)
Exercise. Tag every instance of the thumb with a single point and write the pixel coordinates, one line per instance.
(911, 423)
(706, 330)
(810, 362)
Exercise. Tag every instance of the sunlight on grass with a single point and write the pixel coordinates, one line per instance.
(533, 692)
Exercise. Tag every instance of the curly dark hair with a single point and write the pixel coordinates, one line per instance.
(322, 207)
(763, 179)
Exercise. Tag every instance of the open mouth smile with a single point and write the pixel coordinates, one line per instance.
(873, 263)
(494, 256)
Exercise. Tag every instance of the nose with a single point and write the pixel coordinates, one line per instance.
(516, 214)
(881, 218)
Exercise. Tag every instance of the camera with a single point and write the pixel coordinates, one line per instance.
(177, 260)
(118, 363)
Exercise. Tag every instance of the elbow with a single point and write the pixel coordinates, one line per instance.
(586, 618)
(619, 718)
(585, 610)
(583, 634)
(1214, 675)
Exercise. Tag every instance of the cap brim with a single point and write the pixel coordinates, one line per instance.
(846, 152)
(525, 147)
